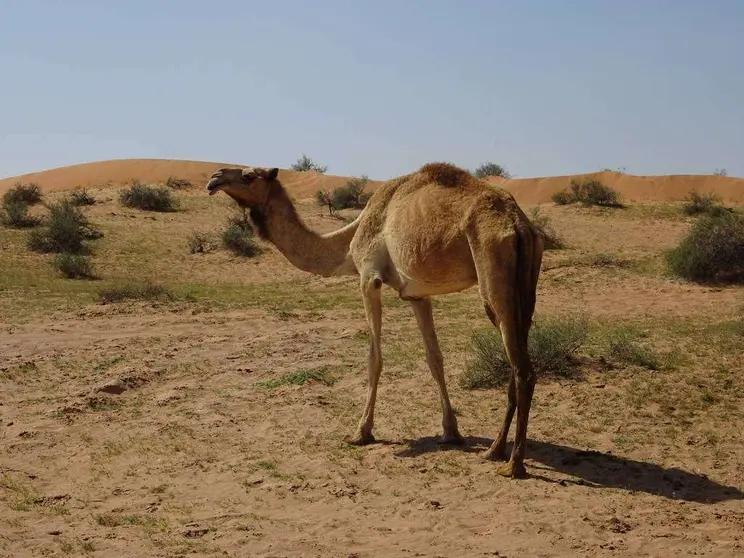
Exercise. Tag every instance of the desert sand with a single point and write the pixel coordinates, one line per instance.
(213, 424)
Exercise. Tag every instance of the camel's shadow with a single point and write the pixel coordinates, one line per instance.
(598, 470)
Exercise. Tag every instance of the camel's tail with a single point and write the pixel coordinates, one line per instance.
(530, 246)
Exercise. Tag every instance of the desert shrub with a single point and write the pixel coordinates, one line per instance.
(240, 241)
(696, 203)
(588, 192)
(200, 243)
(622, 347)
(81, 197)
(713, 250)
(15, 215)
(74, 266)
(720, 172)
(553, 344)
(241, 218)
(148, 198)
(351, 195)
(542, 223)
(135, 291)
(175, 183)
(66, 229)
(491, 169)
(29, 193)
(603, 259)
(305, 163)
(325, 199)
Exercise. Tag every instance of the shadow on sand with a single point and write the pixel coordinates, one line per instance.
(597, 470)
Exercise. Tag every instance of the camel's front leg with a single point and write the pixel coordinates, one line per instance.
(372, 296)
(425, 320)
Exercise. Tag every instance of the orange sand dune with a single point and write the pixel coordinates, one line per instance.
(301, 185)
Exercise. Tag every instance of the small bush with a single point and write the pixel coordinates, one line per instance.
(240, 241)
(200, 243)
(175, 183)
(135, 291)
(542, 223)
(241, 218)
(623, 348)
(713, 251)
(81, 197)
(15, 215)
(351, 195)
(603, 259)
(29, 193)
(66, 230)
(74, 266)
(148, 198)
(325, 199)
(553, 344)
(696, 203)
(305, 163)
(588, 192)
(491, 169)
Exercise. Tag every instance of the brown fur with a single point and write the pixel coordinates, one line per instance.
(446, 174)
(436, 231)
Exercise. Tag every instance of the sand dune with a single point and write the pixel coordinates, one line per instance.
(527, 190)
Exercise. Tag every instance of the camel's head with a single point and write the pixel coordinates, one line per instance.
(249, 186)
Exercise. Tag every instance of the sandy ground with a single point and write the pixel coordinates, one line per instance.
(176, 428)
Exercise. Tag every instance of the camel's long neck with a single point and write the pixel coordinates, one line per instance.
(325, 255)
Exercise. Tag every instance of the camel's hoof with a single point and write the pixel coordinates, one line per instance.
(361, 439)
(512, 470)
(452, 439)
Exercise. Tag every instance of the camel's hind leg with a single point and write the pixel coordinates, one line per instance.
(371, 294)
(425, 319)
(497, 276)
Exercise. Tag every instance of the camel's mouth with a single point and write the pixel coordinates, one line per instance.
(214, 186)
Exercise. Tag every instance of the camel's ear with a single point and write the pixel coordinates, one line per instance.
(271, 174)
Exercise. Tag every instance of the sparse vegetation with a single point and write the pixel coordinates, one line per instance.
(238, 237)
(553, 344)
(28, 193)
(543, 224)
(491, 169)
(305, 163)
(135, 291)
(713, 251)
(624, 348)
(148, 198)
(696, 204)
(720, 172)
(175, 183)
(65, 230)
(15, 215)
(74, 266)
(349, 196)
(200, 243)
(588, 192)
(81, 197)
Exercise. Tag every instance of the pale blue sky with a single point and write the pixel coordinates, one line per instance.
(376, 87)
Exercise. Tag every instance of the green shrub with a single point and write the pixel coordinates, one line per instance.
(74, 266)
(351, 195)
(625, 349)
(148, 198)
(305, 163)
(241, 218)
(542, 223)
(66, 230)
(588, 192)
(15, 215)
(697, 203)
(325, 199)
(491, 169)
(553, 344)
(29, 193)
(135, 291)
(240, 241)
(713, 250)
(81, 197)
(175, 183)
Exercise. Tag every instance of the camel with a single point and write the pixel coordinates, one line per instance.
(435, 231)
